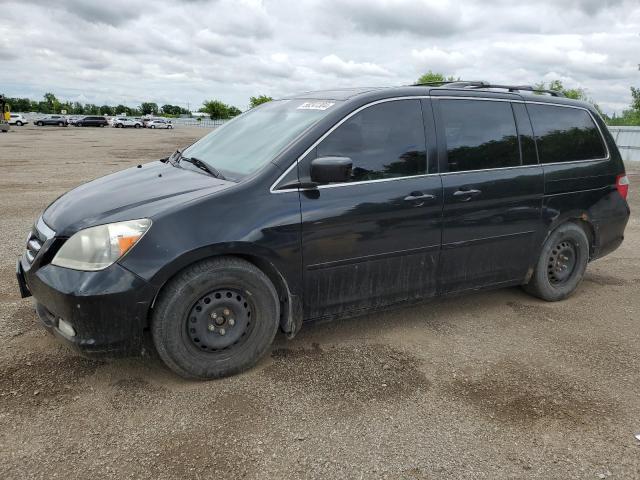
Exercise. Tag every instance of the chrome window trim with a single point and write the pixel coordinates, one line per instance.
(327, 133)
(435, 97)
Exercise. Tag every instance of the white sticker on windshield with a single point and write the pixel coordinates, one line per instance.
(315, 105)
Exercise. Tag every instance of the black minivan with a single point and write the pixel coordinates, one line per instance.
(324, 205)
(91, 122)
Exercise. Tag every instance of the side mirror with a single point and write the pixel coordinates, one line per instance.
(331, 169)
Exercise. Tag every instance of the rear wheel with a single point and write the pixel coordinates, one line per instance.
(40, 124)
(216, 318)
(169, 126)
(19, 123)
(137, 125)
(60, 124)
(561, 265)
(152, 126)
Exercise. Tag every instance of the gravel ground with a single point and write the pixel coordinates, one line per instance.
(491, 385)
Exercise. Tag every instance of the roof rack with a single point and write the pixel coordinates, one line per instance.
(482, 84)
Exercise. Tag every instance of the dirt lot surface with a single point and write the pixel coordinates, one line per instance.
(492, 385)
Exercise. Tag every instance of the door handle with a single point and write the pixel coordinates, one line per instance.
(466, 195)
(418, 196)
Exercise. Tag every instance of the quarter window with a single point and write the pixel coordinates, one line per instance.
(383, 141)
(479, 134)
(565, 134)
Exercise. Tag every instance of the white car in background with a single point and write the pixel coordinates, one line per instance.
(17, 119)
(159, 123)
(122, 122)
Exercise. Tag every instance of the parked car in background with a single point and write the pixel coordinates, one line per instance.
(91, 121)
(59, 120)
(159, 123)
(122, 122)
(71, 120)
(17, 119)
(146, 120)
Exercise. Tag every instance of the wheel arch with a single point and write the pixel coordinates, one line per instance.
(290, 302)
(578, 217)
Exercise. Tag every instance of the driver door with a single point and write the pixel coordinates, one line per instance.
(373, 240)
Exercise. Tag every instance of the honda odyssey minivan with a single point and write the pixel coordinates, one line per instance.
(325, 205)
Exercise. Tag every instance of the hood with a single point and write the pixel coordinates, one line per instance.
(138, 192)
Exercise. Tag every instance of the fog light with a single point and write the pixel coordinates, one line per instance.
(66, 328)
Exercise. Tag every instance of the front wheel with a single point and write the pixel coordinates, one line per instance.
(170, 126)
(152, 126)
(561, 265)
(216, 318)
(19, 123)
(40, 124)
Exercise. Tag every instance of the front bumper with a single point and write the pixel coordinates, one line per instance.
(107, 309)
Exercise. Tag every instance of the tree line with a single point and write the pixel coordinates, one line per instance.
(51, 104)
(218, 110)
(629, 116)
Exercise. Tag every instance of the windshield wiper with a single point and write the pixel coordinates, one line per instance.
(202, 166)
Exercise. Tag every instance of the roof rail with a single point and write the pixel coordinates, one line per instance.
(482, 84)
(518, 88)
(449, 83)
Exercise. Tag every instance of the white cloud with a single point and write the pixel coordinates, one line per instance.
(334, 64)
(186, 51)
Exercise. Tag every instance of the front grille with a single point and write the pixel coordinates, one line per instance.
(38, 236)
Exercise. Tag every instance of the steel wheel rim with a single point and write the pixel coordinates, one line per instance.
(220, 320)
(562, 262)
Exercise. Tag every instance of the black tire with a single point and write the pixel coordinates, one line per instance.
(169, 126)
(562, 263)
(137, 125)
(250, 311)
(40, 124)
(19, 123)
(79, 124)
(152, 126)
(60, 124)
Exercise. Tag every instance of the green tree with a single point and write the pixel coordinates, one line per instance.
(630, 116)
(121, 109)
(91, 109)
(635, 95)
(77, 108)
(19, 104)
(216, 109)
(234, 111)
(106, 110)
(557, 86)
(52, 103)
(434, 77)
(259, 100)
(148, 108)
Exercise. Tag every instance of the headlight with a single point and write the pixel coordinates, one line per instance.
(98, 247)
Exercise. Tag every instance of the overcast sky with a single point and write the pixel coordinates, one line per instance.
(186, 51)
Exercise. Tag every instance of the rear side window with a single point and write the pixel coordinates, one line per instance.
(479, 135)
(384, 141)
(565, 134)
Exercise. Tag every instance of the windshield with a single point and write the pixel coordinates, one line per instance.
(246, 143)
